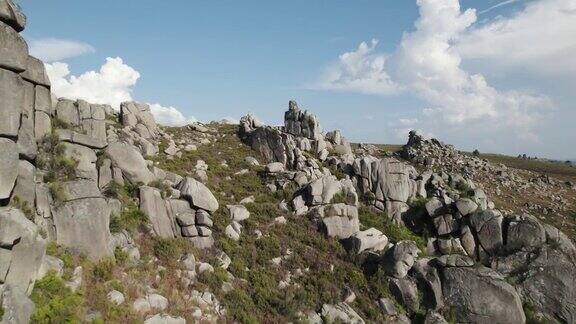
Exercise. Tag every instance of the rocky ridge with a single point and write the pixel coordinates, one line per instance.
(126, 220)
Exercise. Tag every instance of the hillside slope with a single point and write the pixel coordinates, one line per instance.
(107, 217)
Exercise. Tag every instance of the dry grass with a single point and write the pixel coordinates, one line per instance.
(556, 169)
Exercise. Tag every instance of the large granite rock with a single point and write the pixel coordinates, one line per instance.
(11, 14)
(86, 158)
(487, 225)
(133, 114)
(525, 232)
(36, 72)
(152, 204)
(25, 188)
(13, 49)
(8, 167)
(480, 295)
(323, 191)
(198, 194)
(268, 142)
(26, 141)
(390, 181)
(548, 284)
(368, 240)
(22, 249)
(82, 219)
(338, 220)
(82, 139)
(17, 307)
(340, 313)
(301, 123)
(127, 158)
(11, 101)
(399, 259)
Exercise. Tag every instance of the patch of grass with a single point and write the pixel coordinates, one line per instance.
(51, 158)
(131, 219)
(58, 123)
(163, 187)
(215, 279)
(168, 250)
(103, 270)
(58, 193)
(55, 303)
(24, 206)
(395, 233)
(100, 157)
(531, 317)
(114, 190)
(120, 255)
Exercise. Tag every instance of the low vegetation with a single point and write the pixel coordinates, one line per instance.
(52, 158)
(55, 303)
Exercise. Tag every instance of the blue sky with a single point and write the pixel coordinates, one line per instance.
(211, 59)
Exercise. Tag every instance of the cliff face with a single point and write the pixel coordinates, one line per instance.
(107, 216)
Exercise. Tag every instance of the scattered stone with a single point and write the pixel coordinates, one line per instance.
(116, 297)
(198, 194)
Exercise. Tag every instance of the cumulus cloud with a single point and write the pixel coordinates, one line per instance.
(428, 63)
(431, 68)
(170, 116)
(539, 39)
(111, 85)
(55, 49)
(360, 71)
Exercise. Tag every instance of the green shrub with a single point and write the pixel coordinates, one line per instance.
(103, 270)
(114, 190)
(23, 206)
(165, 189)
(58, 123)
(132, 189)
(130, 219)
(531, 315)
(58, 193)
(120, 255)
(168, 249)
(51, 158)
(55, 303)
(268, 247)
(240, 306)
(215, 279)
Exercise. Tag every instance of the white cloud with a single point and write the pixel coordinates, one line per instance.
(111, 85)
(359, 71)
(170, 116)
(539, 39)
(431, 68)
(54, 49)
(428, 63)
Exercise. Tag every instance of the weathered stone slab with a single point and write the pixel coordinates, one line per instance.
(35, 72)
(11, 14)
(11, 102)
(13, 49)
(8, 166)
(71, 136)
